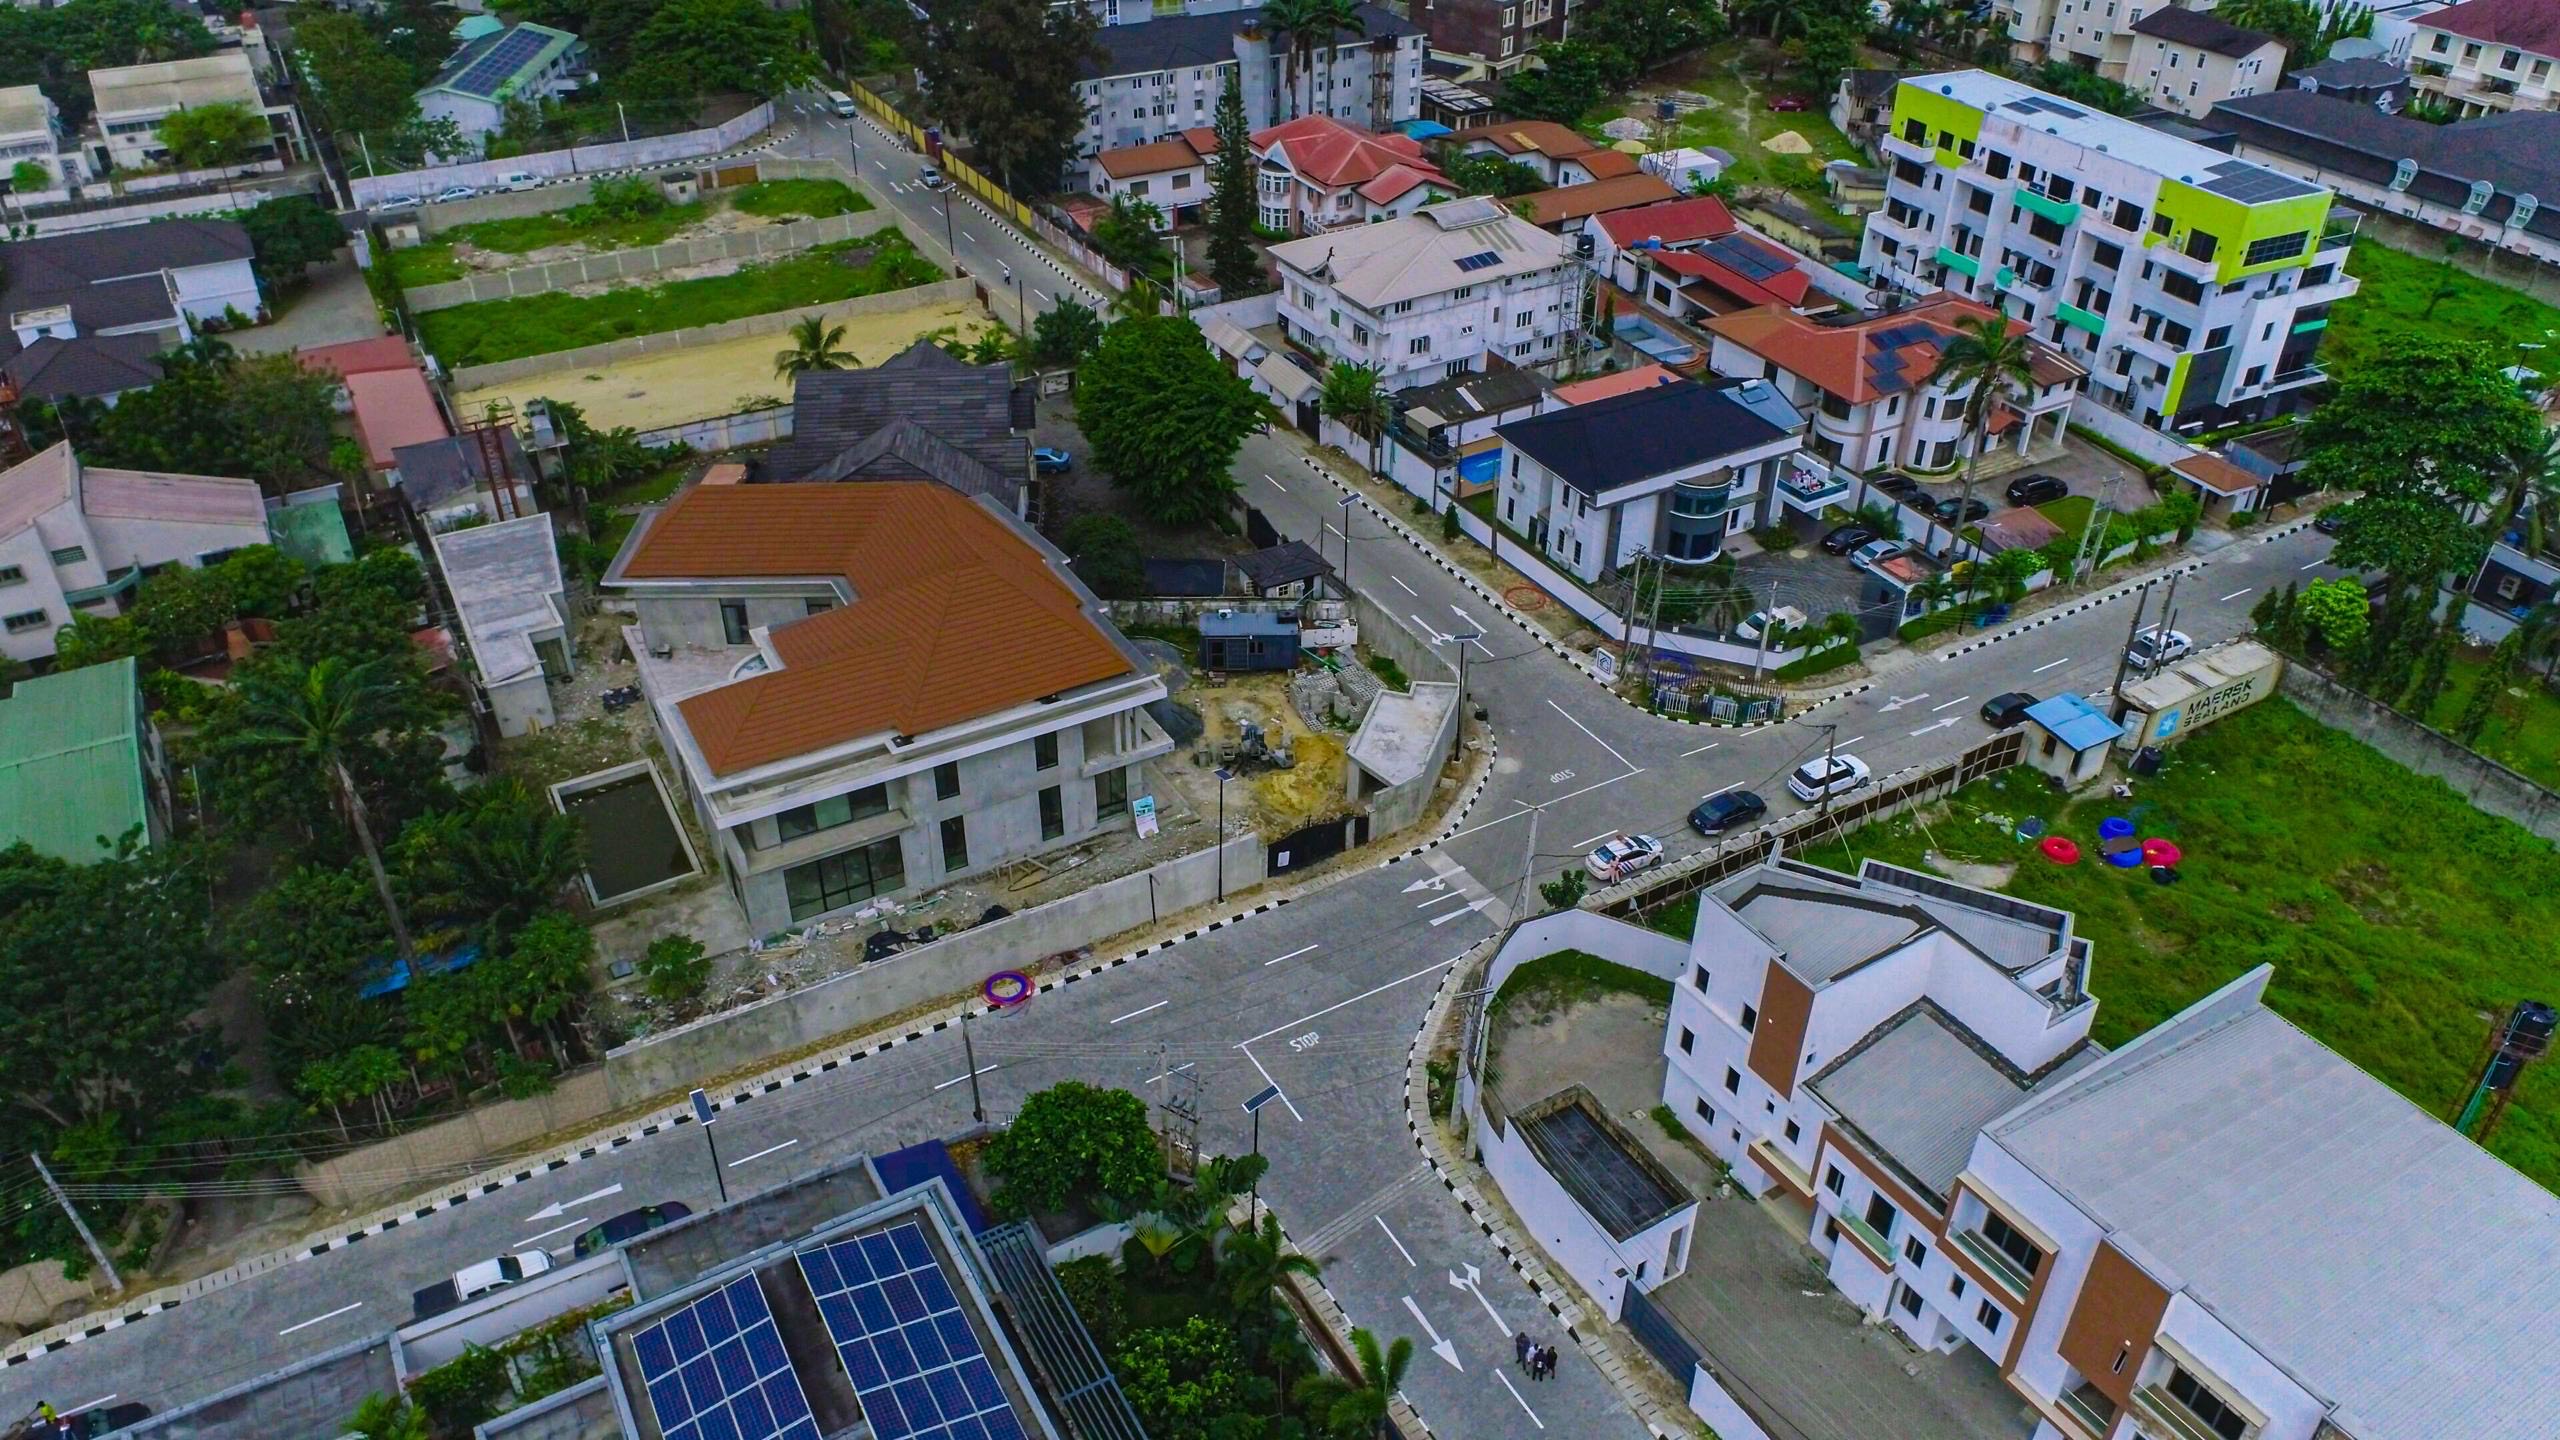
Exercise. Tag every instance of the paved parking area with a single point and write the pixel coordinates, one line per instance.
(1815, 583)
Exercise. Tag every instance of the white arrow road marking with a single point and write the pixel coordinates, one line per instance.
(2065, 660)
(314, 1320)
(1392, 1240)
(1301, 950)
(1515, 1394)
(1461, 910)
(1436, 637)
(1472, 622)
(1439, 900)
(1934, 709)
(573, 1224)
(1937, 725)
(1428, 882)
(1409, 590)
(1439, 1347)
(768, 1150)
(559, 1208)
(1901, 700)
(1472, 1283)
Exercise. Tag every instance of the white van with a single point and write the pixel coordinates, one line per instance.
(515, 180)
(841, 103)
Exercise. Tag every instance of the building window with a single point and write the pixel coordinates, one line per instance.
(1750, 1019)
(1793, 1132)
(1706, 1111)
(817, 606)
(1911, 1302)
(23, 621)
(1955, 1287)
(1053, 813)
(847, 879)
(955, 844)
(70, 555)
(1988, 1317)
(1418, 345)
(1915, 1252)
(1110, 795)
(13, 575)
(1698, 978)
(1688, 1041)
(2005, 1238)
(2200, 245)
(2214, 1411)
(831, 812)
(1881, 1214)
(1832, 1179)
(733, 621)
(1732, 1081)
(1044, 751)
(946, 780)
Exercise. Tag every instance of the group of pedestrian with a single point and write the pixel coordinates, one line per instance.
(1539, 1360)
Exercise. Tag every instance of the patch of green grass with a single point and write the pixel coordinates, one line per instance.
(430, 264)
(2400, 298)
(649, 489)
(1481, 503)
(493, 330)
(1730, 74)
(1389, 673)
(2398, 918)
(797, 199)
(1569, 977)
(2071, 512)
(1820, 661)
(577, 225)
(2523, 733)
(1679, 919)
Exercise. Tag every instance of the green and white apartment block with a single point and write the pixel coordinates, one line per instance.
(2194, 286)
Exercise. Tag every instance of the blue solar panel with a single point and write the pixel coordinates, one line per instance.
(1479, 260)
(915, 1361)
(716, 1370)
(499, 61)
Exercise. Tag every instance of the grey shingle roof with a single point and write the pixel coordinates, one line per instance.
(434, 471)
(2517, 152)
(2396, 1269)
(2362, 72)
(1920, 1086)
(1286, 563)
(1627, 438)
(94, 366)
(1181, 41)
(905, 450)
(2200, 30)
(967, 408)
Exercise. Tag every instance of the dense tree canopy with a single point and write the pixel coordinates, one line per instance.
(1003, 74)
(1571, 76)
(1166, 417)
(288, 234)
(1071, 1143)
(702, 47)
(262, 418)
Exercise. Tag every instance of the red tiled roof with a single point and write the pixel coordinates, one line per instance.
(1573, 202)
(1785, 287)
(1834, 357)
(1607, 164)
(1622, 382)
(1202, 138)
(1154, 158)
(393, 408)
(2217, 474)
(2525, 24)
(1332, 154)
(1396, 180)
(954, 615)
(1518, 137)
(355, 357)
(1673, 222)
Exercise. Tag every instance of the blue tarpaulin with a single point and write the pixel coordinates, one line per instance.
(391, 974)
(903, 1170)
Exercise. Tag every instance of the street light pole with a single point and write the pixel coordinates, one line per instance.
(969, 1049)
(1346, 543)
(1458, 733)
(703, 1116)
(949, 245)
(1253, 1107)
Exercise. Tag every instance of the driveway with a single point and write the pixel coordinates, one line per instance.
(332, 306)
(1816, 583)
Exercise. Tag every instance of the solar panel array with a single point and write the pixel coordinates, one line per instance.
(915, 1363)
(2039, 105)
(2250, 185)
(1479, 260)
(716, 1370)
(501, 60)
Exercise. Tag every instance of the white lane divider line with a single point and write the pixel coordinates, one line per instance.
(1593, 839)
(554, 1230)
(1701, 750)
(1585, 729)
(1143, 1010)
(1294, 954)
(768, 1150)
(1409, 590)
(316, 1319)
(1276, 485)
(963, 1079)
(1392, 1240)
(2236, 594)
(1934, 709)
(2050, 664)
(1274, 1084)
(1515, 1394)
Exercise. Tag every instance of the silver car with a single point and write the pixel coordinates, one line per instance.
(1876, 552)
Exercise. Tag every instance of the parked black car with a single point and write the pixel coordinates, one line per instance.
(2002, 711)
(1719, 813)
(1900, 487)
(1842, 539)
(630, 1225)
(1973, 510)
(2330, 519)
(2037, 489)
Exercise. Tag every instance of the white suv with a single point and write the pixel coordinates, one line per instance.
(1833, 775)
(2156, 647)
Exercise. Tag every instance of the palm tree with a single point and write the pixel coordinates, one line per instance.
(1255, 1263)
(388, 1417)
(1331, 18)
(815, 345)
(1989, 357)
(324, 713)
(2533, 474)
(1142, 300)
(1356, 1405)
(1353, 396)
(1297, 20)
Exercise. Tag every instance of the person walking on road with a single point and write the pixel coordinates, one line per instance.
(1520, 1347)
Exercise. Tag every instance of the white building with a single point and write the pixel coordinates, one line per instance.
(1316, 173)
(2189, 61)
(31, 133)
(1172, 175)
(506, 587)
(2192, 286)
(132, 100)
(524, 63)
(1665, 471)
(76, 540)
(1432, 294)
(879, 686)
(1162, 73)
(2484, 56)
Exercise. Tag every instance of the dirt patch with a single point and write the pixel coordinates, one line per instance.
(1966, 872)
(1277, 802)
(1787, 142)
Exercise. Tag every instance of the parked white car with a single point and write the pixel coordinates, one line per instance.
(1788, 619)
(1876, 552)
(842, 104)
(452, 193)
(1623, 855)
(515, 180)
(2156, 647)
(473, 1281)
(1827, 775)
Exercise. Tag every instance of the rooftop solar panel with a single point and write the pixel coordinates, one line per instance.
(1479, 260)
(1747, 259)
(500, 61)
(915, 1362)
(716, 1370)
(2250, 185)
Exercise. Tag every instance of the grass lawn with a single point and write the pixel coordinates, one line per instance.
(2399, 919)
(2071, 512)
(1566, 978)
(493, 330)
(2394, 303)
(797, 199)
(435, 262)
(2523, 734)
(1730, 74)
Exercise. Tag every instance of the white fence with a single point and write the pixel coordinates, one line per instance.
(2129, 433)
(574, 162)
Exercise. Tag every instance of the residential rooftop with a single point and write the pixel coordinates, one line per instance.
(1605, 1171)
(497, 64)
(1862, 358)
(1603, 444)
(1332, 153)
(71, 782)
(1474, 241)
(2199, 30)
(24, 110)
(2516, 152)
(223, 77)
(2531, 25)
(1182, 42)
(1596, 197)
(2240, 181)
(505, 580)
(1919, 1088)
(1826, 925)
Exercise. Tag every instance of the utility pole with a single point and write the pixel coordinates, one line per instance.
(1830, 757)
(2124, 657)
(1627, 621)
(969, 1050)
(1653, 627)
(1529, 863)
(1768, 622)
(97, 1251)
(1458, 732)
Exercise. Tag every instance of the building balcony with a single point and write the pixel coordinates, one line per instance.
(1765, 1153)
(1992, 1262)
(1808, 481)
(2060, 212)
(2078, 318)
(2089, 1409)
(1901, 149)
(2296, 379)
(2159, 1407)
(1964, 265)
(2430, 69)
(1869, 1238)
(119, 585)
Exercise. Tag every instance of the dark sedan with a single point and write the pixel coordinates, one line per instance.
(1901, 487)
(1841, 539)
(1719, 813)
(630, 1225)
(2002, 711)
(1973, 510)
(2330, 519)
(2036, 489)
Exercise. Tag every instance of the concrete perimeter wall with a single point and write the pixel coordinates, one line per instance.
(640, 264)
(1723, 1414)
(586, 357)
(459, 1146)
(1382, 633)
(2484, 782)
(574, 163)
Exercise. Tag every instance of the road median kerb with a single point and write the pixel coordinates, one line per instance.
(827, 1059)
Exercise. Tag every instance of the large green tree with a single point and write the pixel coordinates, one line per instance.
(489, 865)
(1990, 364)
(1003, 73)
(1065, 333)
(701, 47)
(2425, 433)
(1074, 1142)
(1571, 77)
(213, 137)
(359, 86)
(287, 235)
(1234, 200)
(1356, 1404)
(1181, 1378)
(1649, 32)
(262, 417)
(1166, 417)
(1353, 395)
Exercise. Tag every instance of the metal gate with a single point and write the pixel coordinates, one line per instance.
(1259, 529)
(1320, 841)
(1660, 1335)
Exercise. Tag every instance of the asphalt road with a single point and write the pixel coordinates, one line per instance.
(1320, 997)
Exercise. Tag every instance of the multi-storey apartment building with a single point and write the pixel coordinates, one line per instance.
(1162, 73)
(2192, 286)
(2484, 56)
(1500, 34)
(1432, 294)
(132, 100)
(879, 685)
(2189, 61)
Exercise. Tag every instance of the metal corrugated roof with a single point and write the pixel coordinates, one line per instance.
(1919, 1088)
(71, 761)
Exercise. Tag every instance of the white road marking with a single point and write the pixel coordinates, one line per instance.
(1585, 729)
(1409, 590)
(1354, 1000)
(1593, 839)
(1439, 1346)
(1710, 795)
(1276, 485)
(314, 1320)
(768, 1150)
(1039, 294)
(1440, 899)
(2236, 594)
(1470, 619)
(1274, 1084)
(1936, 725)
(1472, 905)
(1934, 709)
(554, 1230)
(1382, 1224)
(92, 1405)
(1899, 701)
(959, 1079)
(2316, 564)
(1134, 1014)
(2065, 660)
(558, 1208)
(883, 164)
(1854, 739)
(1176, 1070)
(1472, 1283)
(1701, 750)
(1515, 1394)
(1329, 530)
(1294, 954)
(1436, 637)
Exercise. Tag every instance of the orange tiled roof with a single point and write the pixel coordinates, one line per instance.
(1154, 158)
(1573, 202)
(1333, 154)
(1673, 222)
(2217, 474)
(954, 614)
(1607, 164)
(1834, 357)
(1621, 382)
(1518, 137)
